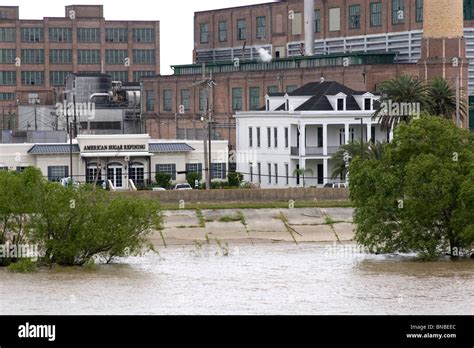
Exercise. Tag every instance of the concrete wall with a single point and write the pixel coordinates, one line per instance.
(225, 196)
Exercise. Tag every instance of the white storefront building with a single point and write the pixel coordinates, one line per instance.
(118, 158)
(303, 130)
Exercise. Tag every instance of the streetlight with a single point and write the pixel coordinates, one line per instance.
(361, 135)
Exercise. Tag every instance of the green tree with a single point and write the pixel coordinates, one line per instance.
(235, 179)
(191, 178)
(163, 180)
(403, 89)
(419, 196)
(442, 99)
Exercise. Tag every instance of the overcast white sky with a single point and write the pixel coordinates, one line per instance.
(176, 17)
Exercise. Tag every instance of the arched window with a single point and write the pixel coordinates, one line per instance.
(93, 173)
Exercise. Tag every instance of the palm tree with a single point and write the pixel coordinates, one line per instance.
(403, 89)
(302, 172)
(442, 99)
(349, 151)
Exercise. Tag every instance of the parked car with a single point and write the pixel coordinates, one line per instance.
(160, 189)
(182, 187)
(335, 185)
(66, 182)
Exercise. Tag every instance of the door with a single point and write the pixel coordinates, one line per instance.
(115, 174)
(320, 174)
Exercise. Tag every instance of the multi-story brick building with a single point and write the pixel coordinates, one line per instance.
(37, 55)
(361, 32)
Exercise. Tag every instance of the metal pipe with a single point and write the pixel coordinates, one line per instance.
(309, 27)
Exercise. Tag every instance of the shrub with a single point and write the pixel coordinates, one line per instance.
(192, 177)
(22, 266)
(235, 179)
(163, 180)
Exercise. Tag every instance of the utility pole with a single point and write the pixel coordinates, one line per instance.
(458, 101)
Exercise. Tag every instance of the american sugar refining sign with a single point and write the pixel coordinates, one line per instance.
(114, 147)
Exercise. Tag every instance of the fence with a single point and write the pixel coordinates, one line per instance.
(241, 195)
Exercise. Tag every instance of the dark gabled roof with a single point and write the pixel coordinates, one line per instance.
(54, 149)
(319, 91)
(276, 94)
(282, 107)
(170, 148)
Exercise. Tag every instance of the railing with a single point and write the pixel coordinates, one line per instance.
(311, 151)
(315, 151)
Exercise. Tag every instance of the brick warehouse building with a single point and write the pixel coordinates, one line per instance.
(36, 55)
(381, 39)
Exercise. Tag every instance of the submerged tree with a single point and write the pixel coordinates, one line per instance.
(419, 197)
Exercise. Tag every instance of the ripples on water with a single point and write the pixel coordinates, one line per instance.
(261, 279)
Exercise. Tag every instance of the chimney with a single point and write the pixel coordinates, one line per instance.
(309, 27)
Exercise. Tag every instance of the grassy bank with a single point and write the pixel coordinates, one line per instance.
(258, 205)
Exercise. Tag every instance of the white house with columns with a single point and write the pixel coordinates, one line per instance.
(303, 130)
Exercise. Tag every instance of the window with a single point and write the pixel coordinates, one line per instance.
(29, 56)
(144, 35)
(367, 104)
(468, 10)
(137, 173)
(287, 140)
(7, 56)
(269, 137)
(276, 173)
(317, 21)
(296, 24)
(7, 78)
(259, 138)
(186, 99)
(56, 173)
(261, 28)
(167, 100)
(115, 57)
(272, 89)
(287, 173)
(334, 19)
(219, 171)
(116, 35)
(241, 29)
(340, 104)
(354, 17)
(269, 173)
(88, 35)
(60, 35)
(236, 99)
(32, 35)
(398, 11)
(204, 30)
(375, 14)
(20, 169)
(275, 137)
(169, 169)
(320, 137)
(7, 96)
(88, 57)
(7, 35)
(254, 98)
(119, 75)
(194, 168)
(143, 56)
(419, 10)
(203, 99)
(259, 172)
(251, 171)
(222, 31)
(58, 78)
(150, 101)
(342, 136)
(30, 78)
(291, 88)
(60, 56)
(250, 137)
(137, 75)
(4, 169)
(3, 15)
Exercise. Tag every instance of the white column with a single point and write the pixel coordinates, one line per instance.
(303, 140)
(391, 135)
(347, 130)
(326, 171)
(369, 131)
(302, 166)
(325, 139)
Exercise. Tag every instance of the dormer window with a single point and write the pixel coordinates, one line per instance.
(367, 104)
(340, 104)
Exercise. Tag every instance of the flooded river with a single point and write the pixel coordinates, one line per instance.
(260, 279)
